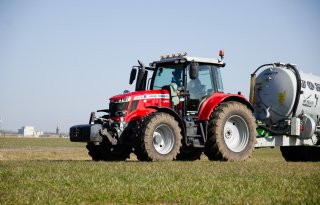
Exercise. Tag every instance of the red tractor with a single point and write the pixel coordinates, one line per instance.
(178, 113)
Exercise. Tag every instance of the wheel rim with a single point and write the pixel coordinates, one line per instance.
(236, 133)
(163, 139)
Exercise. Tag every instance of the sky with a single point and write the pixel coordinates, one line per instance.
(61, 60)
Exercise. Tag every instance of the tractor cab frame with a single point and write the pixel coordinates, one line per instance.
(191, 81)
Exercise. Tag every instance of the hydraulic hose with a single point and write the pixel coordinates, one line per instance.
(269, 64)
(273, 132)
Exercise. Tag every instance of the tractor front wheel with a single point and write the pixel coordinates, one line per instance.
(160, 140)
(231, 133)
(108, 152)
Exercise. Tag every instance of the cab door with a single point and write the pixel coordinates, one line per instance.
(200, 88)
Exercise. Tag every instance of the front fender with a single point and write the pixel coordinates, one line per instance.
(172, 113)
(139, 114)
(210, 104)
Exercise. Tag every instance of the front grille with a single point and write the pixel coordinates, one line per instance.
(134, 105)
(116, 107)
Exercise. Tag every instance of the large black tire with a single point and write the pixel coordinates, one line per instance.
(189, 154)
(160, 139)
(231, 133)
(108, 152)
(300, 153)
(291, 154)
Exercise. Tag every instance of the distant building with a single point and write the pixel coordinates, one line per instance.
(57, 130)
(29, 131)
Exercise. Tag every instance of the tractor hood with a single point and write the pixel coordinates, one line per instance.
(141, 95)
(137, 104)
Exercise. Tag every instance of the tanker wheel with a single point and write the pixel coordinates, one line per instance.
(300, 153)
(189, 154)
(231, 133)
(161, 139)
(291, 153)
(109, 153)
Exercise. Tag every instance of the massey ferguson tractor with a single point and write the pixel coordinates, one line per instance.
(178, 113)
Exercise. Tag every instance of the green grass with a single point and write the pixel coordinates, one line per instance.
(265, 179)
(41, 149)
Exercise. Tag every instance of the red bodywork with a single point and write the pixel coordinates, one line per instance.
(161, 98)
(210, 104)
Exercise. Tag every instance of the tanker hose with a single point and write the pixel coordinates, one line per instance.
(272, 132)
(296, 102)
(269, 64)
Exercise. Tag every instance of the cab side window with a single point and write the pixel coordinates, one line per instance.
(203, 85)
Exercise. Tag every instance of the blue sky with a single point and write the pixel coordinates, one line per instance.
(60, 60)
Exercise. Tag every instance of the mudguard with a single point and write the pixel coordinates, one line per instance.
(173, 113)
(210, 104)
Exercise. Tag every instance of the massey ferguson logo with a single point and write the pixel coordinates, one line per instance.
(152, 96)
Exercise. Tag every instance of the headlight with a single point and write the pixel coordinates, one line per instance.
(123, 100)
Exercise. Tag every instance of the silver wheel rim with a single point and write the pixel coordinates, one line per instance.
(163, 139)
(236, 133)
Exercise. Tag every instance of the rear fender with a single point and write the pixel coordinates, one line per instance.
(209, 105)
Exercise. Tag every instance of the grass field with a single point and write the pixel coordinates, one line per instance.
(56, 171)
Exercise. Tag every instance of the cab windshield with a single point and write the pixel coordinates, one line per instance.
(207, 83)
(167, 74)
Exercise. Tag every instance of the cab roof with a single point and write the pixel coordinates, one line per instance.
(183, 59)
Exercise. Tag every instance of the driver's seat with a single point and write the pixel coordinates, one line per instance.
(173, 90)
(174, 94)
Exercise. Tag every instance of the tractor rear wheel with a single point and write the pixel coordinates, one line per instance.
(160, 139)
(231, 133)
(108, 152)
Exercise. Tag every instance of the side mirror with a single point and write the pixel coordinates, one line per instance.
(193, 72)
(132, 75)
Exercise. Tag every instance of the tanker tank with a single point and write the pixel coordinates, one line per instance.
(282, 93)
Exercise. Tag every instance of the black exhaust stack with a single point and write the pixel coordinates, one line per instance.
(142, 77)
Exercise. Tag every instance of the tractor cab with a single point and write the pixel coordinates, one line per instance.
(189, 80)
